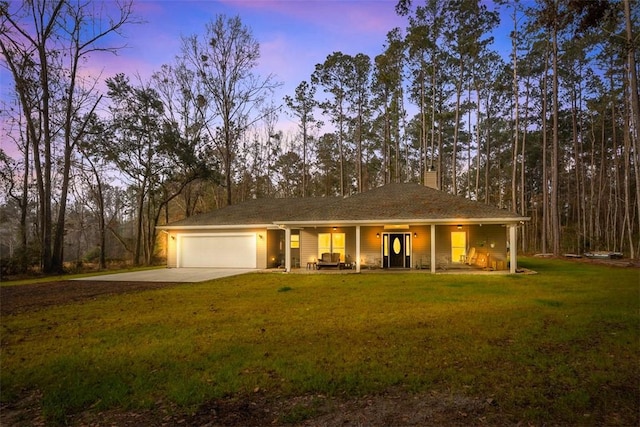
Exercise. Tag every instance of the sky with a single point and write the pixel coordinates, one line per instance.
(294, 35)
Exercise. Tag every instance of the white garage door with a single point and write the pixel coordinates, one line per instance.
(217, 250)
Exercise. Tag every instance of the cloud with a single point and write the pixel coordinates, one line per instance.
(355, 17)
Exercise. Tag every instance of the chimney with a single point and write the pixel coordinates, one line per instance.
(431, 178)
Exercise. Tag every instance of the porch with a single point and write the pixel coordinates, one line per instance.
(433, 248)
(454, 270)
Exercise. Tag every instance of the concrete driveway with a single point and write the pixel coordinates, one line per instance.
(190, 275)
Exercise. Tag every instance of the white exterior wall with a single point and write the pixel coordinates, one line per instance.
(174, 238)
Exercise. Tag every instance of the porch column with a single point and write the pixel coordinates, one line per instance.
(357, 249)
(287, 249)
(513, 249)
(433, 248)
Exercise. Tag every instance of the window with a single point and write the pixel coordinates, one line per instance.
(385, 245)
(338, 244)
(295, 241)
(324, 243)
(458, 246)
(331, 243)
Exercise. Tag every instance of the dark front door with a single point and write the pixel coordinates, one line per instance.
(396, 251)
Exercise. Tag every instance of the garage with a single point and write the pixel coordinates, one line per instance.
(217, 250)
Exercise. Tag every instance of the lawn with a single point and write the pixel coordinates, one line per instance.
(559, 347)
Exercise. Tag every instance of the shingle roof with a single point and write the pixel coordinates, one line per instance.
(405, 202)
(391, 202)
(257, 211)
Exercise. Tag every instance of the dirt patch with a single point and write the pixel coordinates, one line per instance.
(615, 262)
(622, 263)
(395, 408)
(23, 298)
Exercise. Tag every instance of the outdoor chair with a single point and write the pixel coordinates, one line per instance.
(443, 263)
(424, 263)
(471, 256)
(329, 260)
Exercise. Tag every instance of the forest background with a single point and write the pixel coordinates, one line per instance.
(549, 130)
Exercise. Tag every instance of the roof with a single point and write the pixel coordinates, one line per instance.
(391, 203)
(257, 211)
(405, 202)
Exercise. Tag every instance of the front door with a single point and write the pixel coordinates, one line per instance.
(396, 253)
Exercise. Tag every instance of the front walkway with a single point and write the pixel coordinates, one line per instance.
(182, 275)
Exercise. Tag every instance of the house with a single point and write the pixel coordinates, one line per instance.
(393, 226)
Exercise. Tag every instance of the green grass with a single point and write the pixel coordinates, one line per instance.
(548, 348)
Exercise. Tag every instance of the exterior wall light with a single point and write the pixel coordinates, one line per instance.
(415, 235)
(377, 235)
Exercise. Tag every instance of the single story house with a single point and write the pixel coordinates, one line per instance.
(394, 226)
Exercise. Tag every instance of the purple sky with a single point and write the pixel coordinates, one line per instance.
(294, 36)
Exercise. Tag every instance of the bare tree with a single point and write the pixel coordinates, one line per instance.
(224, 59)
(44, 44)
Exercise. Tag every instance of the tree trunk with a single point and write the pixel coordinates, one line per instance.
(423, 126)
(58, 241)
(456, 124)
(516, 118)
(24, 206)
(102, 227)
(341, 150)
(577, 154)
(227, 161)
(479, 127)
(470, 133)
(523, 188)
(555, 153)
(433, 119)
(304, 155)
(386, 162)
(487, 150)
(545, 174)
(635, 108)
(396, 138)
(487, 163)
(627, 191)
(139, 220)
(614, 193)
(44, 175)
(359, 147)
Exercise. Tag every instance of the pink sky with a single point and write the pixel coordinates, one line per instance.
(294, 35)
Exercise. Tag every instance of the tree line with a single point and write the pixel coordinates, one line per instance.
(547, 129)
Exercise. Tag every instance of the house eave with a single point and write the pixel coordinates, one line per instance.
(215, 227)
(425, 221)
(348, 223)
